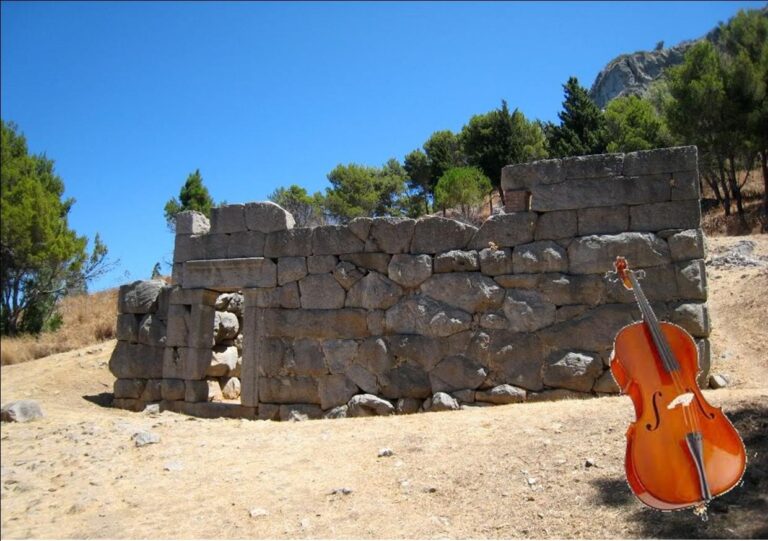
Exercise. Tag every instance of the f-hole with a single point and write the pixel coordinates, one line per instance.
(648, 426)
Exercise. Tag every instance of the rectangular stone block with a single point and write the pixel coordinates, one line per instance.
(596, 254)
(289, 390)
(246, 244)
(182, 249)
(667, 215)
(131, 361)
(603, 220)
(585, 193)
(595, 166)
(129, 388)
(190, 222)
(205, 297)
(128, 328)
(685, 185)
(177, 328)
(685, 245)
(196, 391)
(230, 274)
(516, 200)
(658, 284)
(563, 289)
(173, 389)
(705, 362)
(253, 341)
(210, 246)
(213, 410)
(291, 242)
(341, 323)
(130, 404)
(319, 264)
(152, 391)
(186, 363)
(524, 175)
(334, 240)
(692, 280)
(559, 224)
(663, 160)
(228, 219)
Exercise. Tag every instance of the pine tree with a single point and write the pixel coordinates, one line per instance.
(193, 196)
(582, 125)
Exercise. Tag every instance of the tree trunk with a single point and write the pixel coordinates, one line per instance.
(736, 190)
(764, 160)
(711, 179)
(501, 196)
(724, 184)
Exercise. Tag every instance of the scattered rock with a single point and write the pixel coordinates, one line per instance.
(502, 394)
(145, 437)
(385, 451)
(173, 465)
(258, 512)
(590, 463)
(366, 405)
(344, 491)
(443, 402)
(718, 381)
(21, 411)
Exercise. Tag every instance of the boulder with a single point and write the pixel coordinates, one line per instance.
(266, 217)
(693, 317)
(339, 412)
(435, 234)
(390, 235)
(225, 326)
(457, 261)
(407, 406)
(468, 291)
(425, 316)
(139, 297)
(374, 291)
(223, 361)
(576, 371)
(21, 411)
(366, 405)
(606, 384)
(692, 280)
(505, 230)
(230, 302)
(540, 256)
(409, 270)
(443, 402)
(299, 412)
(527, 311)
(501, 394)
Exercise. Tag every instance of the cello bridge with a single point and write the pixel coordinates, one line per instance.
(684, 399)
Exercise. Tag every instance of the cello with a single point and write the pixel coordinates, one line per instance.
(681, 451)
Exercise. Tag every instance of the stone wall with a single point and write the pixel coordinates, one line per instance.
(397, 315)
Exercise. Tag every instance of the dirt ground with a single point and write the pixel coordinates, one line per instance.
(517, 471)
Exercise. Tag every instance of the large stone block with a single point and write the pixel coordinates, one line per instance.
(603, 220)
(468, 291)
(128, 329)
(572, 370)
(244, 244)
(505, 230)
(363, 378)
(228, 274)
(693, 317)
(152, 391)
(339, 354)
(658, 284)
(289, 390)
(409, 270)
(527, 311)
(327, 324)
(347, 274)
(139, 297)
(129, 388)
(596, 254)
(307, 359)
(516, 359)
(361, 227)
(457, 261)
(567, 289)
(291, 242)
(321, 291)
(374, 356)
(205, 297)
(692, 280)
(594, 330)
(423, 350)
(685, 185)
(320, 264)
(435, 234)
(374, 292)
(291, 269)
(422, 315)
(173, 389)
(584, 193)
(390, 235)
(223, 361)
(186, 363)
(525, 175)
(335, 390)
(666, 215)
(455, 373)
(191, 222)
(685, 245)
(595, 166)
(664, 160)
(334, 240)
(131, 361)
(266, 217)
(540, 256)
(559, 224)
(407, 380)
(370, 260)
(228, 218)
(495, 261)
(152, 331)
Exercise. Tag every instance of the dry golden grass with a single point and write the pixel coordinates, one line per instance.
(87, 319)
(716, 223)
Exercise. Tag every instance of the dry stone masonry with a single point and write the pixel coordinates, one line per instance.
(394, 315)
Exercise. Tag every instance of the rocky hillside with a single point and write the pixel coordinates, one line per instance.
(633, 73)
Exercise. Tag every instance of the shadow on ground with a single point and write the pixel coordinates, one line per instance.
(740, 514)
(102, 399)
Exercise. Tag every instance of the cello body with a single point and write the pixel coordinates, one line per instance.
(681, 451)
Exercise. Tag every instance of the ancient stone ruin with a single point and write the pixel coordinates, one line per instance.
(392, 315)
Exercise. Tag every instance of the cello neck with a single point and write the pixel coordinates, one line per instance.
(652, 323)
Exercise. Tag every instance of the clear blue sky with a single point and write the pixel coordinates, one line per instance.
(129, 98)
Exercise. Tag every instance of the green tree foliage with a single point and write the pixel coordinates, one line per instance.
(418, 171)
(193, 196)
(633, 124)
(582, 125)
(307, 210)
(443, 149)
(359, 190)
(498, 138)
(42, 258)
(463, 188)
